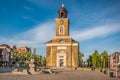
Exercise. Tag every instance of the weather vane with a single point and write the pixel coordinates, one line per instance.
(61, 1)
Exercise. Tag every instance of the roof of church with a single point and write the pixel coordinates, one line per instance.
(74, 41)
(49, 41)
(62, 9)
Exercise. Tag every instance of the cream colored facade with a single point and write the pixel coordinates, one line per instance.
(62, 50)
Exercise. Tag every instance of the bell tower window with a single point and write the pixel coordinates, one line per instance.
(62, 13)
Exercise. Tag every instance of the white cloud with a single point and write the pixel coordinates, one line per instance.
(100, 31)
(40, 33)
(30, 19)
(35, 37)
(44, 32)
(15, 42)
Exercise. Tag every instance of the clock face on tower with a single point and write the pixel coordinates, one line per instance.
(61, 21)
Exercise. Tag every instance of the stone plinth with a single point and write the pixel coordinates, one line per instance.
(31, 66)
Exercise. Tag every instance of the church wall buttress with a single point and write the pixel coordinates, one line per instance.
(54, 50)
(48, 55)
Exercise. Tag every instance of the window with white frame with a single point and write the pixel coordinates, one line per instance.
(61, 29)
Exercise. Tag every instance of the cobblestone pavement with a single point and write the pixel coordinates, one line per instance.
(61, 75)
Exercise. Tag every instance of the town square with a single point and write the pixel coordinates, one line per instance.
(60, 40)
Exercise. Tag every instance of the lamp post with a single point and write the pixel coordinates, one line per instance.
(71, 55)
(116, 67)
(108, 65)
(104, 65)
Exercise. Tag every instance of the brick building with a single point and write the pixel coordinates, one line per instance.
(114, 60)
(5, 55)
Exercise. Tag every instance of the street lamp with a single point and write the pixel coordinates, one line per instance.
(104, 65)
(116, 67)
(71, 55)
(108, 65)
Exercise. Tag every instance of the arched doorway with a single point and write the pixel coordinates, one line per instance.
(61, 59)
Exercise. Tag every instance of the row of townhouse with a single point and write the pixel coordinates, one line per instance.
(5, 53)
(114, 60)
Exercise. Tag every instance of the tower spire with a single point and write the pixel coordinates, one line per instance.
(62, 13)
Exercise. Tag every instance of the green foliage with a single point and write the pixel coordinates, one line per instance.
(80, 56)
(20, 56)
(44, 61)
(38, 58)
(89, 60)
(95, 59)
(98, 60)
(40, 61)
(104, 59)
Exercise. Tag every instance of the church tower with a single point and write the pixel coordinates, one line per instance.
(62, 23)
(62, 50)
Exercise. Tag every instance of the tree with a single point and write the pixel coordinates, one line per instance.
(24, 57)
(15, 56)
(89, 60)
(104, 59)
(80, 56)
(96, 59)
(44, 61)
(20, 58)
(38, 60)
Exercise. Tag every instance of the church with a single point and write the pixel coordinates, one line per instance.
(62, 51)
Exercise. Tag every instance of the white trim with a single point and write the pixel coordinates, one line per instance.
(61, 48)
(61, 18)
(62, 37)
(56, 44)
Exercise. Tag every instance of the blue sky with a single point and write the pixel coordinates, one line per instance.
(93, 23)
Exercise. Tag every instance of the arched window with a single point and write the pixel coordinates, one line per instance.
(61, 29)
(62, 15)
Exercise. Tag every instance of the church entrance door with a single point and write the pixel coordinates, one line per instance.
(61, 59)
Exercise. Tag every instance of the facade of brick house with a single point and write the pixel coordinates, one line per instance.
(114, 61)
(5, 55)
